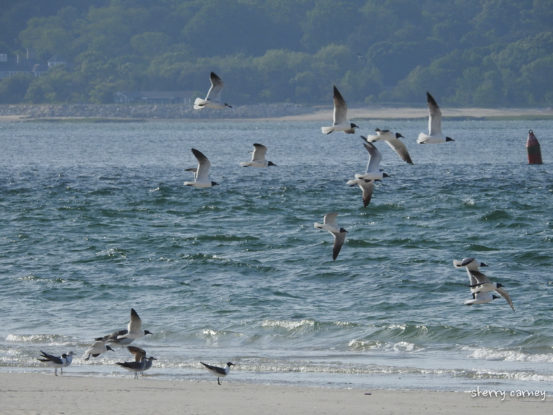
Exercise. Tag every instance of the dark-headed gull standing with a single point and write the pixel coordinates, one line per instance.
(141, 362)
(434, 135)
(57, 361)
(220, 372)
(340, 116)
(329, 224)
(213, 97)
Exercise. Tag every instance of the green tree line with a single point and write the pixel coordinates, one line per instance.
(468, 52)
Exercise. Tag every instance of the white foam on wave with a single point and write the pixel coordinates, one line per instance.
(288, 324)
(485, 353)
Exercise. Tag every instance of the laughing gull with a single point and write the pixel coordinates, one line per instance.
(258, 157)
(220, 372)
(481, 287)
(393, 140)
(373, 171)
(124, 337)
(213, 97)
(97, 348)
(141, 362)
(340, 116)
(329, 224)
(434, 124)
(201, 173)
(366, 186)
(57, 361)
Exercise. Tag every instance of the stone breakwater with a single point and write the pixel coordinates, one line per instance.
(147, 111)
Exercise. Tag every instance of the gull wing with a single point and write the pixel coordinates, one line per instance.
(435, 116)
(477, 278)
(217, 84)
(506, 296)
(339, 239)
(259, 152)
(330, 219)
(367, 187)
(135, 324)
(399, 147)
(202, 173)
(139, 354)
(340, 108)
(374, 157)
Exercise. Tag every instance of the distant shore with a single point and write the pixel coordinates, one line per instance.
(282, 112)
(23, 393)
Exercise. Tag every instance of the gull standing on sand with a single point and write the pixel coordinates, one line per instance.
(141, 362)
(57, 361)
(329, 224)
(393, 140)
(258, 157)
(340, 116)
(124, 337)
(201, 173)
(213, 97)
(220, 372)
(97, 348)
(434, 135)
(481, 287)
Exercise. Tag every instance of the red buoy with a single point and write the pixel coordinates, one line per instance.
(533, 149)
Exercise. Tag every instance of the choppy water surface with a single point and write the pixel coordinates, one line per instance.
(94, 220)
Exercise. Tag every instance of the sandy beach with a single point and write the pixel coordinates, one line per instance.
(29, 393)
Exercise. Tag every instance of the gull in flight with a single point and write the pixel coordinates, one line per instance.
(57, 361)
(340, 116)
(481, 287)
(213, 97)
(141, 362)
(97, 348)
(126, 336)
(393, 140)
(258, 157)
(201, 173)
(434, 124)
(373, 171)
(329, 224)
(220, 372)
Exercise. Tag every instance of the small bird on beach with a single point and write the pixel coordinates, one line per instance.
(96, 349)
(481, 287)
(434, 135)
(340, 116)
(213, 97)
(126, 336)
(329, 224)
(141, 362)
(373, 170)
(57, 361)
(258, 157)
(201, 174)
(393, 140)
(220, 372)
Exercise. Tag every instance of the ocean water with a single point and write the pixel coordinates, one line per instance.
(94, 220)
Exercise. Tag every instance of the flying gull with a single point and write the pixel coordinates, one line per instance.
(434, 135)
(258, 157)
(329, 224)
(340, 116)
(126, 336)
(97, 348)
(213, 97)
(393, 140)
(481, 287)
(373, 171)
(201, 173)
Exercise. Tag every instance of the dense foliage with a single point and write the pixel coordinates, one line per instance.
(468, 52)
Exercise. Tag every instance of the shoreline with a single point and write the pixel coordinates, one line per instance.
(264, 112)
(42, 393)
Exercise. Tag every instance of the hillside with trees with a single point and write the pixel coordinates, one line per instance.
(469, 52)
